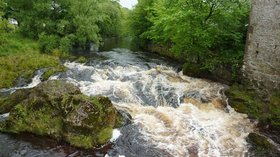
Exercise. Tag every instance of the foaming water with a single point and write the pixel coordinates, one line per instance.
(116, 134)
(35, 81)
(181, 115)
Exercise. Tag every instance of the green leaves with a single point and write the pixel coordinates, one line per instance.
(76, 23)
(198, 30)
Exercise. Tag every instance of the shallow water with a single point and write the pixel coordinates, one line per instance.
(171, 114)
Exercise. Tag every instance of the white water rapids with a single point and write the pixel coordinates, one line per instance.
(181, 115)
(178, 115)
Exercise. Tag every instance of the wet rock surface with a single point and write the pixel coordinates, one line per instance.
(261, 147)
(134, 145)
(58, 109)
(267, 113)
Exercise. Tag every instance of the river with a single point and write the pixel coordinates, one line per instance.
(168, 114)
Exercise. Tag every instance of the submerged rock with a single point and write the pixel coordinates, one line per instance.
(58, 109)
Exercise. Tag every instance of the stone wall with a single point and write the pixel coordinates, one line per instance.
(262, 56)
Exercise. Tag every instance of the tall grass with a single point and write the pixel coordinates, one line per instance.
(21, 57)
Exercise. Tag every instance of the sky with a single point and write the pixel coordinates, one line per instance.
(128, 3)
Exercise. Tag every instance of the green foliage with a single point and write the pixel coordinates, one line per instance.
(125, 30)
(48, 42)
(20, 56)
(66, 24)
(207, 33)
(5, 26)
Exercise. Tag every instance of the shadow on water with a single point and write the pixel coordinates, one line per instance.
(114, 42)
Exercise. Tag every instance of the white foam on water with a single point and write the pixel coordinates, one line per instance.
(116, 134)
(118, 156)
(35, 81)
(6, 115)
(193, 128)
(54, 77)
(190, 129)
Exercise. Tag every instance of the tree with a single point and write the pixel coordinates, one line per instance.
(140, 22)
(196, 30)
(5, 26)
(68, 23)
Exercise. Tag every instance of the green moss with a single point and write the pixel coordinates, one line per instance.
(244, 101)
(7, 103)
(97, 103)
(260, 141)
(274, 110)
(53, 71)
(261, 147)
(81, 141)
(247, 101)
(275, 99)
(4, 108)
(59, 110)
(105, 135)
(40, 122)
(81, 59)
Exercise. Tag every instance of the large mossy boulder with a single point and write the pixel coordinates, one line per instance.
(58, 109)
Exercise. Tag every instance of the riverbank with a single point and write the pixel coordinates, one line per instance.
(227, 70)
(20, 58)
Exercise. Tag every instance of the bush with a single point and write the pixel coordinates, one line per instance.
(5, 26)
(48, 43)
(66, 44)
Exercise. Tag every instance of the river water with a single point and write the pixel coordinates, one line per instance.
(170, 114)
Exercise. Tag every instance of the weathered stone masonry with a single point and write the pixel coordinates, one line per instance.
(262, 56)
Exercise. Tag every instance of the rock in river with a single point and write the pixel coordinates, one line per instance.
(59, 110)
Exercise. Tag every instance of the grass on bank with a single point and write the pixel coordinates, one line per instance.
(21, 57)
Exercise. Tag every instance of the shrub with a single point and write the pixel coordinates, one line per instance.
(48, 43)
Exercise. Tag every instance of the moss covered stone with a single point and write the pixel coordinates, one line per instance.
(260, 147)
(247, 101)
(59, 110)
(267, 111)
(52, 71)
(81, 59)
(244, 100)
